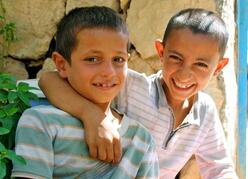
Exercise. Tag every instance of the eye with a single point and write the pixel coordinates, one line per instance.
(119, 60)
(201, 64)
(175, 57)
(91, 59)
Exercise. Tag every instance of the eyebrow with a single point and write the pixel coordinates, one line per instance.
(198, 59)
(100, 52)
(173, 51)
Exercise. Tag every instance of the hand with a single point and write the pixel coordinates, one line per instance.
(103, 139)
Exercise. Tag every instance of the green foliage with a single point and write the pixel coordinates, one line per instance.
(7, 34)
(14, 99)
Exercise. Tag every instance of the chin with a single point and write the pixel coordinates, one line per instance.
(102, 100)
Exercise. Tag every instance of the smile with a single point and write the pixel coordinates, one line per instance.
(104, 85)
(182, 86)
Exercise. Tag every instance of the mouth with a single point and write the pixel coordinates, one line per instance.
(105, 85)
(182, 86)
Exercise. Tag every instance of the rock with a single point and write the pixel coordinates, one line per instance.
(47, 66)
(137, 63)
(35, 25)
(71, 4)
(15, 68)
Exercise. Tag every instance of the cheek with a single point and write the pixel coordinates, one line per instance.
(121, 70)
(168, 69)
(79, 77)
(203, 79)
(122, 74)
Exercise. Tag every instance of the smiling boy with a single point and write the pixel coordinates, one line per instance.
(53, 142)
(183, 120)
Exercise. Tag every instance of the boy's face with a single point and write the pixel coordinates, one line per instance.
(189, 61)
(98, 64)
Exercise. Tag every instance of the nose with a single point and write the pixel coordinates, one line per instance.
(108, 69)
(185, 74)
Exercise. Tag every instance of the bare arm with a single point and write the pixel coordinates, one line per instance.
(101, 136)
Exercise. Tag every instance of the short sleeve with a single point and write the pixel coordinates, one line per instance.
(34, 143)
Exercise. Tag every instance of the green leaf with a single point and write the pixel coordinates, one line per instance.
(7, 76)
(7, 81)
(8, 122)
(2, 113)
(2, 148)
(12, 96)
(22, 86)
(3, 154)
(33, 88)
(3, 95)
(2, 169)
(32, 96)
(4, 131)
(15, 158)
(11, 110)
(24, 98)
(7, 85)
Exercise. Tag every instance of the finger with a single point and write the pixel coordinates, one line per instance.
(117, 150)
(93, 151)
(102, 153)
(110, 153)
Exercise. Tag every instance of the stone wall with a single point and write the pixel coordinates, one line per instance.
(36, 25)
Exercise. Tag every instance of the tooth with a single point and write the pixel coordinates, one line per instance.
(182, 86)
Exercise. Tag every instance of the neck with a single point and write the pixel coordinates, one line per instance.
(180, 108)
(105, 107)
(111, 114)
(173, 102)
(182, 105)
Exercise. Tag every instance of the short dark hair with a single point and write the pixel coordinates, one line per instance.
(199, 21)
(82, 18)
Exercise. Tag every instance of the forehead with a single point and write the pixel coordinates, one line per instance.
(93, 36)
(101, 41)
(187, 42)
(187, 33)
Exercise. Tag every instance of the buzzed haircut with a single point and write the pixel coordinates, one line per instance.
(199, 21)
(85, 18)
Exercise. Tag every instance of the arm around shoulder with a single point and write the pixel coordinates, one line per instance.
(62, 95)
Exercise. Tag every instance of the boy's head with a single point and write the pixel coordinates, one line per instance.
(191, 52)
(91, 52)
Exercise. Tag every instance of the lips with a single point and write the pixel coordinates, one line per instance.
(182, 86)
(105, 85)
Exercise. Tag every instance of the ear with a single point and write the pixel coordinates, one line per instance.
(60, 63)
(159, 47)
(222, 63)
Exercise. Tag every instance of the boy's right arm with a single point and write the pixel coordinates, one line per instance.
(101, 136)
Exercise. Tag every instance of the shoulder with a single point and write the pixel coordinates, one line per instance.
(134, 74)
(204, 100)
(45, 114)
(206, 109)
(140, 81)
(142, 76)
(136, 77)
(45, 110)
